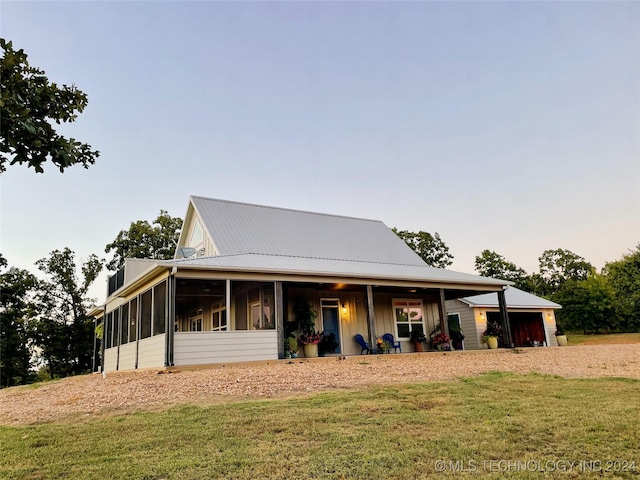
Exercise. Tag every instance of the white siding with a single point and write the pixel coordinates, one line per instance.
(151, 352)
(199, 348)
(110, 359)
(127, 356)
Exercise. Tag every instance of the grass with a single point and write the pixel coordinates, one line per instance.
(378, 432)
(577, 338)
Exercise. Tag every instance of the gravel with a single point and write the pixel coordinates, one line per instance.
(91, 396)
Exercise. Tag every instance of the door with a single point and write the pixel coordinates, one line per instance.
(331, 320)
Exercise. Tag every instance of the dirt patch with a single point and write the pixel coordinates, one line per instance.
(91, 396)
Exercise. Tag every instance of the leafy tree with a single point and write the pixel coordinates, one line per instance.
(30, 104)
(491, 264)
(143, 240)
(16, 290)
(558, 266)
(63, 331)
(431, 248)
(588, 305)
(624, 277)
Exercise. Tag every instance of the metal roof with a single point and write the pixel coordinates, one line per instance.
(254, 262)
(246, 228)
(514, 297)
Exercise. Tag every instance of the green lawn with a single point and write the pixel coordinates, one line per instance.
(379, 432)
(577, 338)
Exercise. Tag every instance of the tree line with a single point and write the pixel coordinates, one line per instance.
(592, 301)
(45, 329)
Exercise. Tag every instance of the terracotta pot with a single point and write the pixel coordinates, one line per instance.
(562, 340)
(492, 342)
(310, 350)
(417, 347)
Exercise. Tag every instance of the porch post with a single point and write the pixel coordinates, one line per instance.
(104, 332)
(227, 303)
(444, 323)
(504, 318)
(95, 345)
(371, 318)
(171, 320)
(279, 306)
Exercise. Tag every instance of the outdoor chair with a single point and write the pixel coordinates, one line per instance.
(364, 345)
(387, 337)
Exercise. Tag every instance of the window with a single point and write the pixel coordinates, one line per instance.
(219, 319)
(195, 320)
(409, 317)
(116, 327)
(124, 320)
(159, 302)
(108, 329)
(145, 314)
(133, 320)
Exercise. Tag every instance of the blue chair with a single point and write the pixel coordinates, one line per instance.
(387, 337)
(364, 345)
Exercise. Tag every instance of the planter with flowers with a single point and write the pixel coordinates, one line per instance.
(440, 341)
(310, 343)
(561, 338)
(492, 334)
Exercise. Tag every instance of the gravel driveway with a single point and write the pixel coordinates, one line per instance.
(90, 396)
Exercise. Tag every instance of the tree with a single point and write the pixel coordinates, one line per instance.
(491, 264)
(588, 305)
(30, 104)
(624, 277)
(559, 265)
(16, 290)
(431, 248)
(63, 331)
(143, 240)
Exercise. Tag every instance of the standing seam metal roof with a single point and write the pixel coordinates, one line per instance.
(246, 228)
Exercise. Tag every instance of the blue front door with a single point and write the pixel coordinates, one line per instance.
(331, 323)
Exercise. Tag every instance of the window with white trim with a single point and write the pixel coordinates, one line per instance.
(219, 318)
(409, 316)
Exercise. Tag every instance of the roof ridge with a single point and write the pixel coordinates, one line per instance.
(271, 207)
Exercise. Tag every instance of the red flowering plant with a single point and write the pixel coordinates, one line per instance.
(311, 337)
(440, 341)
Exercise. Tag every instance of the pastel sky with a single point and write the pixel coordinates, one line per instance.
(512, 126)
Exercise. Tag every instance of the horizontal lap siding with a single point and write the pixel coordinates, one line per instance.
(110, 359)
(127, 356)
(199, 348)
(151, 352)
(470, 328)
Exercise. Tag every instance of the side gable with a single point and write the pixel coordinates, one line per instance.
(194, 235)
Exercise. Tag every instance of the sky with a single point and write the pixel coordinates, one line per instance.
(508, 126)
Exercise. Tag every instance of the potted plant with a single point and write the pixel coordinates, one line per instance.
(439, 340)
(417, 337)
(492, 333)
(310, 343)
(561, 338)
(328, 344)
(290, 347)
(306, 321)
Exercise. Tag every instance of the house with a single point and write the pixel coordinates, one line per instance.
(229, 293)
(532, 319)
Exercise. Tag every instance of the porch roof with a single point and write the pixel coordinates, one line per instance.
(255, 262)
(514, 297)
